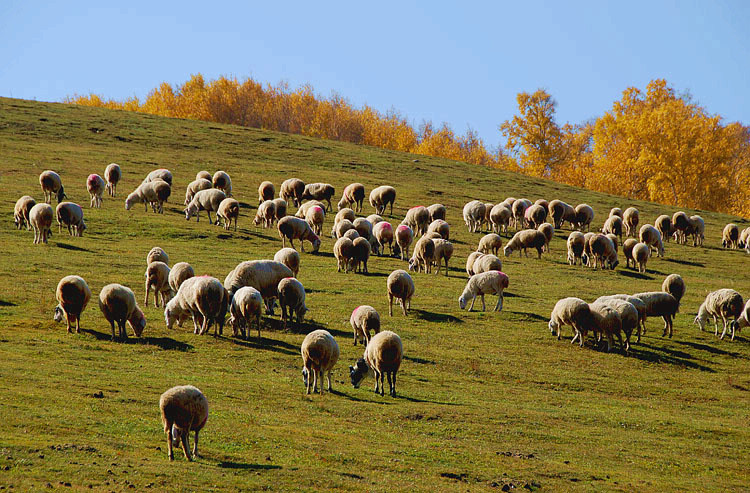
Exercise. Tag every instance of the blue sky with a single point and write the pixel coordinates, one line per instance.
(456, 62)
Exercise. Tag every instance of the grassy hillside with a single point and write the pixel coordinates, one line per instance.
(486, 401)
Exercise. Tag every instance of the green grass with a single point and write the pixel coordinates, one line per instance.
(485, 399)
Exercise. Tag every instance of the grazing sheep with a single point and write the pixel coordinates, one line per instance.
(112, 174)
(604, 321)
(627, 250)
(584, 216)
(639, 305)
(205, 200)
(117, 303)
(266, 191)
(524, 239)
(490, 243)
(222, 182)
(473, 256)
(204, 175)
(157, 254)
(613, 225)
(381, 196)
(660, 304)
(629, 320)
(680, 225)
(570, 311)
(404, 237)
(95, 185)
(421, 259)
(443, 251)
(70, 215)
(474, 213)
(289, 257)
(159, 174)
(743, 320)
(615, 241)
(487, 209)
(549, 232)
(320, 352)
(315, 217)
(203, 297)
(246, 307)
(485, 263)
(228, 209)
(154, 193)
(266, 214)
(440, 227)
(588, 256)
(492, 282)
(663, 224)
(500, 217)
(374, 219)
(400, 286)
(651, 237)
(292, 188)
(354, 193)
(363, 227)
(509, 202)
(319, 191)
(382, 358)
(343, 251)
(615, 211)
(157, 276)
(195, 187)
(535, 216)
(722, 303)
(52, 186)
(519, 212)
(640, 253)
(576, 245)
(263, 275)
(417, 218)
(183, 409)
(291, 299)
(383, 234)
(21, 211)
(340, 228)
(698, 230)
(363, 319)
(302, 211)
(674, 285)
(437, 211)
(730, 236)
(432, 235)
(344, 213)
(73, 294)
(562, 212)
(281, 207)
(179, 273)
(631, 218)
(360, 254)
(604, 252)
(544, 203)
(295, 228)
(742, 242)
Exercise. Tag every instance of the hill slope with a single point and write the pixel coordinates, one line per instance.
(485, 399)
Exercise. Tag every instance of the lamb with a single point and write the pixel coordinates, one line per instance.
(485, 263)
(195, 187)
(492, 282)
(698, 229)
(52, 185)
(205, 200)
(21, 211)
(374, 219)
(363, 319)
(659, 304)
(562, 212)
(421, 259)
(40, 218)
(70, 215)
(381, 196)
(500, 218)
(266, 191)
(417, 218)
(343, 250)
(631, 217)
(319, 191)
(639, 305)
(157, 276)
(570, 311)
(524, 239)
(95, 185)
(204, 298)
(440, 227)
(584, 216)
(613, 225)
(228, 209)
(730, 236)
(519, 212)
(354, 193)
(437, 211)
(292, 188)
(266, 214)
(73, 294)
(360, 255)
(246, 306)
(291, 299)
(604, 320)
(159, 174)
(383, 234)
(400, 286)
(443, 251)
(302, 211)
(604, 252)
(382, 357)
(289, 257)
(549, 232)
(490, 243)
(113, 174)
(473, 213)
(179, 273)
(320, 352)
(629, 321)
(263, 275)
(576, 244)
(204, 175)
(295, 228)
(680, 224)
(157, 254)
(627, 250)
(674, 285)
(615, 211)
(152, 192)
(404, 237)
(363, 227)
(281, 207)
(341, 227)
(222, 182)
(641, 252)
(535, 215)
(722, 303)
(315, 217)
(117, 303)
(183, 409)
(663, 224)
(651, 237)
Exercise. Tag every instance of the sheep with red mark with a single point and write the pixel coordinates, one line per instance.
(95, 185)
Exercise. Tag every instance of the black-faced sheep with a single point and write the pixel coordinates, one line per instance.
(51, 184)
(382, 357)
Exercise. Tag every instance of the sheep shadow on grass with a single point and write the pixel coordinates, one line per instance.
(635, 274)
(246, 466)
(658, 354)
(166, 343)
(712, 349)
(684, 262)
(7, 303)
(436, 317)
(67, 246)
(265, 343)
(527, 316)
(305, 327)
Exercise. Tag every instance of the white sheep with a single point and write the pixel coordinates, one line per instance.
(680, 225)
(613, 225)
(221, 181)
(363, 319)
(549, 232)
(730, 236)
(246, 307)
(382, 232)
(404, 237)
(381, 196)
(674, 285)
(159, 174)
(698, 229)
(281, 207)
(351, 234)
(343, 251)
(341, 227)
(660, 304)
(519, 212)
(354, 193)
(203, 175)
(154, 192)
(576, 244)
(500, 216)
(492, 282)
(51, 184)
(627, 250)
(183, 409)
(615, 211)
(631, 218)
(639, 305)
(21, 211)
(443, 251)
(229, 209)
(157, 277)
(118, 304)
(363, 227)
(263, 275)
(724, 303)
(473, 256)
(587, 257)
(203, 297)
(490, 243)
(319, 191)
(562, 212)
(266, 214)
(400, 286)
(266, 191)
(473, 214)
(604, 321)
(417, 218)
(179, 272)
(651, 237)
(437, 211)
(374, 219)
(603, 251)
(320, 352)
(360, 255)
(302, 211)
(441, 227)
(291, 300)
(535, 215)
(40, 218)
(113, 174)
(292, 189)
(629, 319)
(663, 224)
(70, 215)
(289, 257)
(569, 311)
(344, 213)
(295, 228)
(484, 263)
(95, 185)
(742, 242)
(421, 259)
(524, 239)
(382, 357)
(205, 200)
(157, 254)
(73, 294)
(640, 253)
(584, 216)
(195, 187)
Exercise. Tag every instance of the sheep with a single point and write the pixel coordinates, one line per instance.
(743, 320)
(524, 239)
(344, 213)
(509, 202)
(51, 184)
(319, 191)
(604, 321)
(570, 311)
(354, 193)
(680, 224)
(73, 294)
(500, 218)
(404, 237)
(627, 250)
(292, 188)
(113, 174)
(228, 209)
(118, 304)
(440, 227)
(443, 251)
(651, 237)
(266, 191)
(246, 307)
(663, 224)
(674, 285)
(295, 228)
(473, 256)
(302, 211)
(640, 254)
(492, 282)
(289, 257)
(613, 225)
(487, 210)
(698, 229)
(660, 304)
(381, 196)
(340, 228)
(203, 297)
(360, 254)
(417, 218)
(291, 299)
(576, 243)
(21, 212)
(544, 203)
(562, 212)
(95, 185)
(320, 352)
(159, 174)
(203, 175)
(421, 259)
(631, 218)
(70, 215)
(263, 275)
(730, 236)
(490, 243)
(363, 319)
(629, 321)
(152, 192)
(281, 207)
(485, 263)
(157, 254)
(722, 303)
(535, 216)
(615, 211)
(383, 234)
(519, 212)
(363, 227)
(266, 214)
(587, 256)
(315, 217)
(584, 216)
(473, 214)
(183, 409)
(400, 286)
(40, 218)
(742, 242)
(437, 211)
(604, 251)
(179, 273)
(639, 305)
(205, 200)
(549, 232)
(157, 276)
(374, 219)
(195, 187)
(222, 182)
(382, 357)
(343, 251)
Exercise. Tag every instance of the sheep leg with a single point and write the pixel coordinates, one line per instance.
(67, 319)
(170, 453)
(716, 327)
(195, 445)
(484, 307)
(390, 304)
(309, 377)
(148, 288)
(112, 323)
(471, 307)
(329, 382)
(184, 440)
(316, 377)
(499, 308)
(403, 306)
(382, 383)
(78, 324)
(723, 318)
(666, 324)
(156, 297)
(391, 390)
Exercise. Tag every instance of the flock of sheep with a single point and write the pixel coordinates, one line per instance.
(256, 287)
